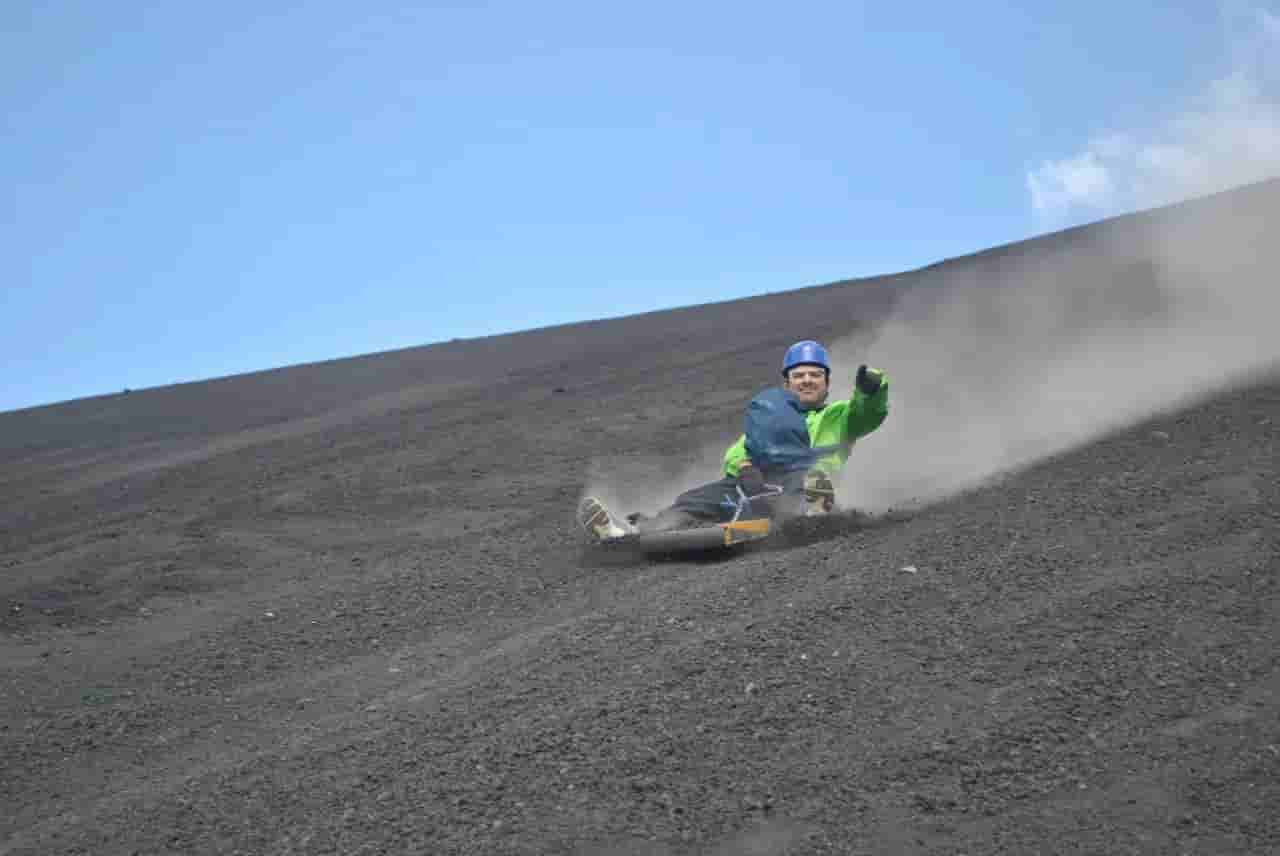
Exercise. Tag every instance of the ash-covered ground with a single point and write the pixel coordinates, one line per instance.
(344, 608)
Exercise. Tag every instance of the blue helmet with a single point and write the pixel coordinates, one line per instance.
(807, 352)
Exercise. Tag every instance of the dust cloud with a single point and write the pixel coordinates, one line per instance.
(646, 483)
(1002, 360)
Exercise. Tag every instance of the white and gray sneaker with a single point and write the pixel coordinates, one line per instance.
(595, 518)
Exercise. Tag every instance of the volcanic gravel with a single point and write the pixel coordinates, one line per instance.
(344, 608)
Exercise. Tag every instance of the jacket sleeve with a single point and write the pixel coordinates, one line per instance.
(868, 412)
(735, 455)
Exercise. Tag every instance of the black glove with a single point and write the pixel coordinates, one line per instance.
(750, 480)
(869, 380)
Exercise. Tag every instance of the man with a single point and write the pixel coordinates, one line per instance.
(794, 439)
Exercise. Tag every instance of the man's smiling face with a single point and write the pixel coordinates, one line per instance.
(809, 384)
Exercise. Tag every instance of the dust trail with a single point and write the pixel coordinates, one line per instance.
(1001, 360)
(647, 483)
(1004, 360)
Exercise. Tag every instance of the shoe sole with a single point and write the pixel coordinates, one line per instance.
(595, 519)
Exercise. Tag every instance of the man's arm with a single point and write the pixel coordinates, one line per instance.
(869, 404)
(734, 456)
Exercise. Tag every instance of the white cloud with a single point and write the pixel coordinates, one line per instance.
(1228, 136)
(1081, 180)
(1270, 26)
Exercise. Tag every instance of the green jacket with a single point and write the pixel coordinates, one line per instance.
(836, 422)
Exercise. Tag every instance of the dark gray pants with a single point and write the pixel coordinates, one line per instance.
(717, 502)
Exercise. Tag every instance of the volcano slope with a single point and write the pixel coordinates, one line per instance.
(343, 608)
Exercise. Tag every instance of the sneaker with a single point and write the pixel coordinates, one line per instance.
(819, 493)
(595, 518)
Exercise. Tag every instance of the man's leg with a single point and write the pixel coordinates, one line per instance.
(706, 504)
(665, 520)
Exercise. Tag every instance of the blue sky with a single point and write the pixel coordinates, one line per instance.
(197, 190)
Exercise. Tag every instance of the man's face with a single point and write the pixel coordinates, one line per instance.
(809, 384)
